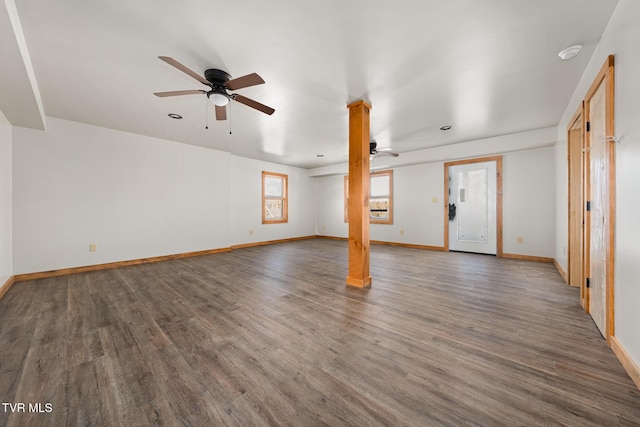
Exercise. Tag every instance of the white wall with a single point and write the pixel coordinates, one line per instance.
(528, 188)
(528, 204)
(6, 234)
(620, 38)
(330, 209)
(133, 196)
(137, 197)
(415, 215)
(562, 200)
(246, 202)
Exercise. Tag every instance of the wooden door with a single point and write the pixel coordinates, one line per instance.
(474, 187)
(600, 199)
(473, 193)
(598, 206)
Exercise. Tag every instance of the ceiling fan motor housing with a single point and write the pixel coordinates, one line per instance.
(217, 77)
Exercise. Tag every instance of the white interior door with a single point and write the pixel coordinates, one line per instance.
(472, 190)
(599, 208)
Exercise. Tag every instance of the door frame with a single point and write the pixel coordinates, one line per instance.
(605, 76)
(498, 160)
(576, 185)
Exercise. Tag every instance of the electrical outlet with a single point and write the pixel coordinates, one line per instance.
(93, 247)
(402, 232)
(520, 239)
(434, 200)
(323, 228)
(250, 232)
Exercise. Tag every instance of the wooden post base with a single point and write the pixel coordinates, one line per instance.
(359, 283)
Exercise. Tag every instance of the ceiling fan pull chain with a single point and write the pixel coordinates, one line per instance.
(229, 111)
(206, 113)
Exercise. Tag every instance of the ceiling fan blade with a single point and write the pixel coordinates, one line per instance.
(179, 92)
(253, 104)
(244, 81)
(221, 112)
(184, 69)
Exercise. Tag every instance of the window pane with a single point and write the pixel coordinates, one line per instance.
(379, 186)
(473, 214)
(273, 187)
(273, 208)
(379, 208)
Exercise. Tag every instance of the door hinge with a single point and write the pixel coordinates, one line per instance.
(588, 282)
(588, 126)
(589, 206)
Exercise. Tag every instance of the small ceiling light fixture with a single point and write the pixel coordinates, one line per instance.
(218, 97)
(319, 155)
(175, 116)
(570, 52)
(447, 127)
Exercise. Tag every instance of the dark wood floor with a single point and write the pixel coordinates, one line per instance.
(271, 336)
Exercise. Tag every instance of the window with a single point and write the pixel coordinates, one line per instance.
(380, 197)
(274, 198)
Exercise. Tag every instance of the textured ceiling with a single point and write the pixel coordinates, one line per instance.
(485, 68)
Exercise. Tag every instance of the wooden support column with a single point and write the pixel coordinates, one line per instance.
(358, 208)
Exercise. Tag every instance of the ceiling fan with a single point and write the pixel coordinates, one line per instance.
(375, 151)
(219, 83)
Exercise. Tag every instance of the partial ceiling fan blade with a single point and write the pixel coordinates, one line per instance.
(253, 104)
(221, 112)
(245, 81)
(179, 92)
(184, 69)
(387, 153)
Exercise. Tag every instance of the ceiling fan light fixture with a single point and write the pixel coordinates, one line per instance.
(570, 52)
(218, 97)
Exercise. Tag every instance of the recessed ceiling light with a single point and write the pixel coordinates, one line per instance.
(570, 52)
(175, 116)
(447, 127)
(319, 155)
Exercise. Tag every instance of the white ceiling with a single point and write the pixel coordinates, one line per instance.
(486, 68)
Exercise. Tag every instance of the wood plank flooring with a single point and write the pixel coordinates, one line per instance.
(270, 335)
